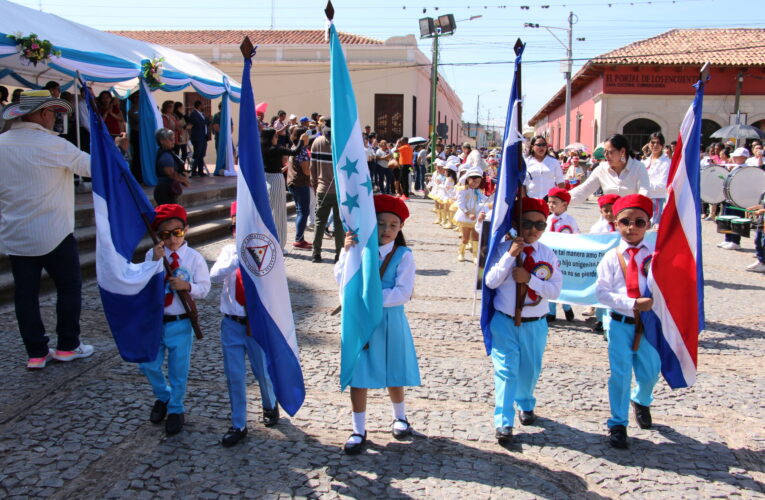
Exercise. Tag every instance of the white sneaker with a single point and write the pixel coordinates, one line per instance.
(729, 245)
(757, 267)
(722, 244)
(82, 351)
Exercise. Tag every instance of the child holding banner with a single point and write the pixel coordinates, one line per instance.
(622, 275)
(604, 225)
(517, 350)
(560, 221)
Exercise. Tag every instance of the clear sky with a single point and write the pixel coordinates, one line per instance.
(476, 58)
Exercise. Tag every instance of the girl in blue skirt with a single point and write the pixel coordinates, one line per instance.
(389, 359)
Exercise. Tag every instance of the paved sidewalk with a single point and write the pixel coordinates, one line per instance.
(81, 430)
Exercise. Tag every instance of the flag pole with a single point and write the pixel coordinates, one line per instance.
(520, 288)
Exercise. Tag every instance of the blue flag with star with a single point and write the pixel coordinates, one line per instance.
(360, 285)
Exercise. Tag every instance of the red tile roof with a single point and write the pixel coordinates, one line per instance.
(235, 37)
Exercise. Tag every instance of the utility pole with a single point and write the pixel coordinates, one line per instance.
(739, 83)
(273, 14)
(569, 63)
(434, 97)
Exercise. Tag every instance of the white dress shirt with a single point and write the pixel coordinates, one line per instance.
(546, 284)
(754, 161)
(602, 226)
(611, 287)
(401, 293)
(193, 269)
(658, 174)
(541, 176)
(633, 179)
(563, 221)
(37, 190)
(224, 271)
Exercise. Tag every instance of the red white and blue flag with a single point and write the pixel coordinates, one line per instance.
(676, 278)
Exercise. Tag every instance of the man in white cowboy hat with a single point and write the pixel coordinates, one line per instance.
(37, 223)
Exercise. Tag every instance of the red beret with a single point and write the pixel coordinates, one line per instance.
(233, 209)
(167, 212)
(533, 205)
(607, 199)
(634, 201)
(388, 203)
(560, 193)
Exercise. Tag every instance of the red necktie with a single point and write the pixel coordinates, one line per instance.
(611, 224)
(632, 279)
(528, 264)
(554, 222)
(239, 293)
(173, 266)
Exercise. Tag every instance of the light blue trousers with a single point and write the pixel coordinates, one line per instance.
(236, 346)
(517, 357)
(554, 308)
(623, 361)
(176, 341)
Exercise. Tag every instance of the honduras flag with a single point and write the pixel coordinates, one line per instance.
(261, 262)
(676, 278)
(132, 294)
(509, 180)
(361, 289)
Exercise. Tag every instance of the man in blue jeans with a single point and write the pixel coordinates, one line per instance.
(37, 223)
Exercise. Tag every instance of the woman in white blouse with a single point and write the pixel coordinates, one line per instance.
(619, 174)
(543, 172)
(657, 165)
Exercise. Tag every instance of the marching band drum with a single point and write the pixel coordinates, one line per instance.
(743, 187)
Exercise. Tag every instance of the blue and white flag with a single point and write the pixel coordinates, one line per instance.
(269, 311)
(361, 288)
(132, 294)
(509, 180)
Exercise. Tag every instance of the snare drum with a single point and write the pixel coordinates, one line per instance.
(713, 184)
(724, 223)
(744, 186)
(741, 226)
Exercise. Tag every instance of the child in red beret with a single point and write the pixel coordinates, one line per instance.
(606, 224)
(389, 359)
(190, 274)
(622, 276)
(560, 221)
(517, 350)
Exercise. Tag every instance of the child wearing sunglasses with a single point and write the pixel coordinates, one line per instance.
(190, 274)
(517, 350)
(622, 276)
(238, 345)
(606, 224)
(560, 221)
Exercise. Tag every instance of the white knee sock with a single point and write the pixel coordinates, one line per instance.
(399, 410)
(359, 426)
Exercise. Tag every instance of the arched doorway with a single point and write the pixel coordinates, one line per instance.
(708, 127)
(638, 130)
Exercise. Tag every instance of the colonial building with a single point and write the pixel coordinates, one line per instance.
(391, 78)
(647, 86)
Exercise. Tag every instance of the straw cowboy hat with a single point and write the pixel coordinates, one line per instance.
(35, 100)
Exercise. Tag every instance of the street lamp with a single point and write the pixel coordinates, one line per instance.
(572, 19)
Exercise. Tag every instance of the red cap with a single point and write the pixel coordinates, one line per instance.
(634, 201)
(533, 205)
(167, 212)
(233, 209)
(388, 203)
(607, 199)
(560, 193)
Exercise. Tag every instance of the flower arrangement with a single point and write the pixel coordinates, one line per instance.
(33, 49)
(152, 70)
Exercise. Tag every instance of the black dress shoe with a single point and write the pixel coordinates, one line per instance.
(402, 434)
(569, 314)
(158, 412)
(504, 435)
(642, 415)
(355, 448)
(174, 424)
(618, 436)
(550, 318)
(316, 259)
(271, 416)
(233, 436)
(527, 417)
(598, 327)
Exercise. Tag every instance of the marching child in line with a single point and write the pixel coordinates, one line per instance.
(560, 221)
(622, 277)
(389, 360)
(436, 189)
(238, 344)
(190, 274)
(606, 224)
(448, 193)
(517, 350)
(470, 203)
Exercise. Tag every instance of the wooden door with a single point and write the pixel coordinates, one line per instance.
(389, 116)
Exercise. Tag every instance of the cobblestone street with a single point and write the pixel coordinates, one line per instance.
(81, 430)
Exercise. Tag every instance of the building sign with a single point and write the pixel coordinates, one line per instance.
(667, 80)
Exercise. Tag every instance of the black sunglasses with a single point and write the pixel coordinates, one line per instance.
(538, 225)
(541, 144)
(178, 232)
(640, 223)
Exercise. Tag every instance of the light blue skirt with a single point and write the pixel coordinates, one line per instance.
(390, 359)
